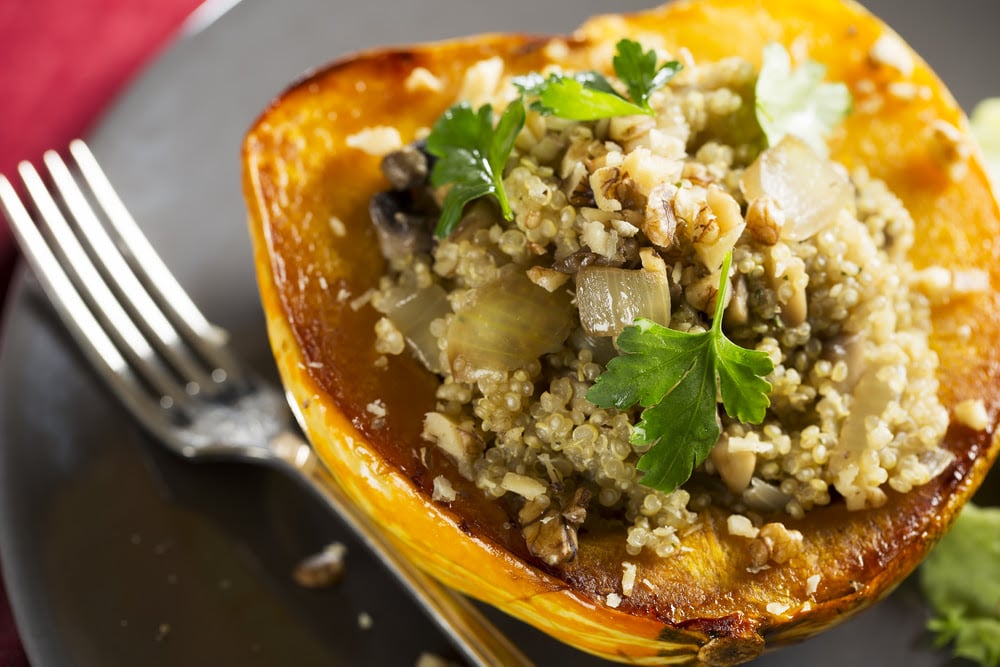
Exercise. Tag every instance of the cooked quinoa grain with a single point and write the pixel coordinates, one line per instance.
(504, 320)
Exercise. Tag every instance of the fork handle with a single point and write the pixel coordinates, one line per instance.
(475, 636)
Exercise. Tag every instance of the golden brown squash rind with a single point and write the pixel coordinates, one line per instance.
(703, 605)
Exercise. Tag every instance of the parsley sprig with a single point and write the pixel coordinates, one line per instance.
(798, 101)
(471, 156)
(590, 96)
(472, 152)
(677, 377)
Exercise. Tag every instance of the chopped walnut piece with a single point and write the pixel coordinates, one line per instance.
(782, 544)
(812, 584)
(949, 147)
(890, 50)
(550, 530)
(548, 279)
(697, 173)
(422, 79)
(628, 578)
(443, 490)
(741, 526)
(377, 141)
(717, 226)
(765, 219)
(652, 262)
(577, 187)
(604, 182)
(459, 442)
(759, 554)
(660, 225)
(972, 413)
(523, 485)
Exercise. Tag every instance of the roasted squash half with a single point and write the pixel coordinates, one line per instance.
(299, 173)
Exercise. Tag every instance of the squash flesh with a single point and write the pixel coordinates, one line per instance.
(298, 173)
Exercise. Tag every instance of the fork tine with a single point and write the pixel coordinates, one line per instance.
(100, 350)
(207, 339)
(121, 329)
(106, 256)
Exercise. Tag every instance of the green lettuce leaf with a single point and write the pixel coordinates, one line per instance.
(961, 581)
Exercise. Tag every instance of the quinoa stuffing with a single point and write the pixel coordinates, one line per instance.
(583, 228)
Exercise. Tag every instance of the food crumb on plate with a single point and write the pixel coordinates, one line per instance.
(322, 569)
(433, 660)
(162, 631)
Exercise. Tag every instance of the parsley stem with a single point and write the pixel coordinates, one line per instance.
(501, 197)
(720, 297)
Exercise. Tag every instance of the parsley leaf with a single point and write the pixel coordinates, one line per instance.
(798, 102)
(959, 580)
(580, 98)
(677, 377)
(638, 71)
(590, 96)
(471, 156)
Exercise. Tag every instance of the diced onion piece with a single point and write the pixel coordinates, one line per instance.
(412, 311)
(510, 324)
(610, 299)
(807, 187)
(764, 497)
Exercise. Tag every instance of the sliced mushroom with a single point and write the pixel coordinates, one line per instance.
(406, 168)
(577, 260)
(402, 228)
(626, 255)
(404, 216)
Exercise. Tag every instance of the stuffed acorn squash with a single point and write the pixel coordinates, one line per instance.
(471, 310)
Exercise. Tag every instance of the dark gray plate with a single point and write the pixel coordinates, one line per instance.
(115, 553)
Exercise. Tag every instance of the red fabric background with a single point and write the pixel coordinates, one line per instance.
(61, 63)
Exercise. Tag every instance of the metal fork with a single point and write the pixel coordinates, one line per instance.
(173, 371)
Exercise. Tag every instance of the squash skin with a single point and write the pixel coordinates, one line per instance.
(705, 607)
